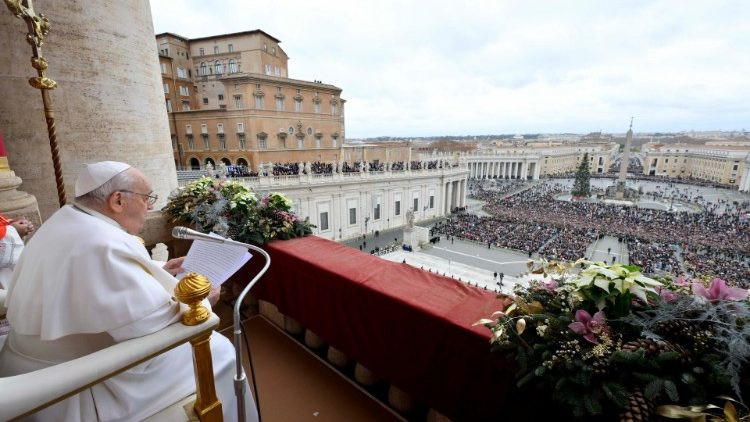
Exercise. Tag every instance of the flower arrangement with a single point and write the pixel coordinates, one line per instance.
(231, 209)
(605, 342)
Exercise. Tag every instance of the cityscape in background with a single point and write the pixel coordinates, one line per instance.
(570, 182)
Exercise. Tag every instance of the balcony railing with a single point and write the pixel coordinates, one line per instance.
(395, 323)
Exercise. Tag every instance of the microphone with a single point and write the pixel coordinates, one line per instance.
(180, 232)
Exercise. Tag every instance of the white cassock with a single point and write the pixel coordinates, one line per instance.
(83, 284)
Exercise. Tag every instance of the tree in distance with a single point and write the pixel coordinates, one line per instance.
(582, 183)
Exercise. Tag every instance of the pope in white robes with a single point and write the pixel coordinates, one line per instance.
(84, 282)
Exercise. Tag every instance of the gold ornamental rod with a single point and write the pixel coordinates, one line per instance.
(38, 29)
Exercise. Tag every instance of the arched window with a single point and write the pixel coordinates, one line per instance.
(195, 164)
(203, 69)
(226, 161)
(232, 66)
(218, 70)
(241, 162)
(210, 161)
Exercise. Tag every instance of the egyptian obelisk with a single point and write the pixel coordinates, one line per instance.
(620, 193)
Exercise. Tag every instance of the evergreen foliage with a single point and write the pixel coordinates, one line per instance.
(684, 351)
(582, 183)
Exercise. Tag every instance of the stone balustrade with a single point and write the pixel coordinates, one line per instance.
(326, 178)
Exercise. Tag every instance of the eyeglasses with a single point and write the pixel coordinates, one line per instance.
(151, 199)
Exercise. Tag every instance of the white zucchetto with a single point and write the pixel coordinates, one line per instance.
(94, 175)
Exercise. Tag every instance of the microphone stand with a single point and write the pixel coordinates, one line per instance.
(240, 378)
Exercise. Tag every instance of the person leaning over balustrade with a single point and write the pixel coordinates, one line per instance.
(85, 282)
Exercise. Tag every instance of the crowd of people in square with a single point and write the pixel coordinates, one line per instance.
(653, 257)
(715, 241)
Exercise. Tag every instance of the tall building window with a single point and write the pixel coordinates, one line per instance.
(352, 216)
(334, 142)
(163, 67)
(186, 106)
(220, 127)
(238, 101)
(205, 100)
(203, 71)
(181, 73)
(184, 91)
(221, 97)
(189, 129)
(240, 128)
(298, 106)
(230, 48)
(317, 142)
(166, 88)
(334, 109)
(258, 102)
(204, 128)
(324, 221)
(432, 201)
(317, 107)
(242, 141)
(216, 49)
(222, 142)
(416, 204)
(206, 144)
(232, 66)
(218, 68)
(169, 106)
(262, 142)
(397, 207)
(300, 143)
(376, 209)
(191, 142)
(279, 104)
(200, 52)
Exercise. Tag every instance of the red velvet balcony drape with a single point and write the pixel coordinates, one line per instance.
(409, 326)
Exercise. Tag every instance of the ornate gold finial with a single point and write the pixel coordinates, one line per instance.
(191, 290)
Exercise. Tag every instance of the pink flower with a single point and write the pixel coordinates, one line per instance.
(590, 328)
(546, 285)
(550, 285)
(718, 290)
(667, 295)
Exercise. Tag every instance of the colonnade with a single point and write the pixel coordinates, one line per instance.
(454, 195)
(745, 182)
(504, 170)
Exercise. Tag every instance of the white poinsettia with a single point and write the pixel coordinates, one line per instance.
(615, 278)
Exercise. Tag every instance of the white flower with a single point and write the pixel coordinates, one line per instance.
(540, 330)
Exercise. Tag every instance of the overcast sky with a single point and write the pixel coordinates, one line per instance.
(422, 68)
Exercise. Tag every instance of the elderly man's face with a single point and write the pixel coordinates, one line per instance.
(135, 204)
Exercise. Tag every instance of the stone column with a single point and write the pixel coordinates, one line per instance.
(109, 103)
(525, 170)
(15, 203)
(449, 197)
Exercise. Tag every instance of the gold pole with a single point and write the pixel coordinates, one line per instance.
(191, 290)
(38, 29)
(207, 405)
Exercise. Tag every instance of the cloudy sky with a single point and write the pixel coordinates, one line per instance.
(421, 68)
